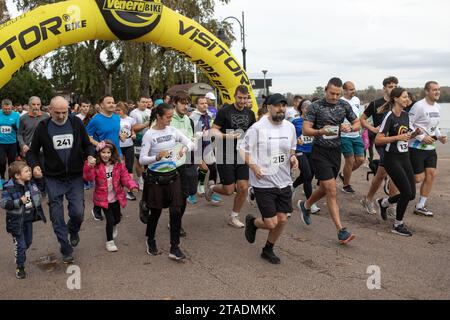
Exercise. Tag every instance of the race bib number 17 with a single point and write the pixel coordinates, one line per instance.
(63, 141)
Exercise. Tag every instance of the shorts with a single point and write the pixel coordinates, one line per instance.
(381, 152)
(422, 159)
(326, 162)
(137, 148)
(161, 196)
(352, 147)
(271, 201)
(231, 173)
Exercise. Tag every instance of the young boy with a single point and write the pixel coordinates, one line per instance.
(22, 201)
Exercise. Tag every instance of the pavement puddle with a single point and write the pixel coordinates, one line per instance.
(48, 263)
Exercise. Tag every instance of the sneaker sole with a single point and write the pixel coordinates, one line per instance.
(174, 257)
(69, 262)
(149, 253)
(270, 260)
(235, 226)
(347, 240)
(423, 214)
(95, 218)
(112, 250)
(348, 192)
(400, 234)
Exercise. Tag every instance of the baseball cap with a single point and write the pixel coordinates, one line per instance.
(275, 99)
(210, 96)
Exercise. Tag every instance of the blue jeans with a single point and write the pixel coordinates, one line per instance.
(74, 191)
(22, 243)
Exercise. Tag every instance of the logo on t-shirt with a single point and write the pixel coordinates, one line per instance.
(240, 121)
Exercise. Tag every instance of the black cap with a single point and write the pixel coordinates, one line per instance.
(276, 99)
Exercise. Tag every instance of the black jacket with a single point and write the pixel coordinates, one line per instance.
(53, 165)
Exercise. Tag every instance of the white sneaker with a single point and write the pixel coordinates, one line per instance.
(110, 246)
(115, 232)
(201, 190)
(141, 183)
(251, 199)
(314, 209)
(235, 222)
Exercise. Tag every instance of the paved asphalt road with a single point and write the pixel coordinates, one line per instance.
(222, 265)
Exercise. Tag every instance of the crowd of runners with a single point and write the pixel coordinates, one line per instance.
(171, 150)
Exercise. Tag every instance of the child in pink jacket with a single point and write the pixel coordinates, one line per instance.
(110, 176)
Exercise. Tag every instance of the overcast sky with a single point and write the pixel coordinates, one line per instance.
(304, 43)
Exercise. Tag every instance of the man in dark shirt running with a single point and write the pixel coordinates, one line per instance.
(324, 121)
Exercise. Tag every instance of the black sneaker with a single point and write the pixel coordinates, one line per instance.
(152, 250)
(269, 255)
(401, 230)
(68, 258)
(131, 196)
(74, 239)
(383, 210)
(348, 189)
(97, 213)
(176, 254)
(20, 272)
(250, 228)
(182, 232)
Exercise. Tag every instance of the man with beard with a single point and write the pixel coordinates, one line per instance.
(269, 150)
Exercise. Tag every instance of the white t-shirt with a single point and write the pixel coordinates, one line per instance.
(270, 147)
(126, 124)
(291, 114)
(426, 117)
(155, 141)
(358, 110)
(141, 117)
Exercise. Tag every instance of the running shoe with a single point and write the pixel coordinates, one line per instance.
(176, 254)
(209, 191)
(423, 212)
(152, 250)
(401, 230)
(251, 199)
(131, 196)
(235, 222)
(74, 239)
(305, 214)
(216, 198)
(68, 258)
(201, 190)
(20, 272)
(315, 209)
(345, 236)
(348, 189)
(269, 255)
(383, 210)
(250, 228)
(97, 213)
(192, 199)
(141, 183)
(368, 205)
(111, 246)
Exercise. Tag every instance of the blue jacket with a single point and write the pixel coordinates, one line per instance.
(16, 214)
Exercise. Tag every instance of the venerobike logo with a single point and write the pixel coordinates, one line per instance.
(131, 19)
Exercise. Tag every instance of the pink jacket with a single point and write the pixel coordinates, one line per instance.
(121, 178)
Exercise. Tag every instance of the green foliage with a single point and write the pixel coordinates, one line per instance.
(25, 84)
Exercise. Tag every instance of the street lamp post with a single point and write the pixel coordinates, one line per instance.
(265, 85)
(242, 29)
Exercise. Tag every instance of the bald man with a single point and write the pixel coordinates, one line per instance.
(65, 145)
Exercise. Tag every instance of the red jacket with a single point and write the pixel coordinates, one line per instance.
(121, 178)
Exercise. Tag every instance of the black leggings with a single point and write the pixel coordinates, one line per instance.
(399, 168)
(306, 175)
(7, 152)
(128, 153)
(113, 217)
(175, 225)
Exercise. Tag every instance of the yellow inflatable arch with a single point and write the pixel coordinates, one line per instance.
(49, 27)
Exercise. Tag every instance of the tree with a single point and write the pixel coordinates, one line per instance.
(26, 84)
(319, 93)
(4, 15)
